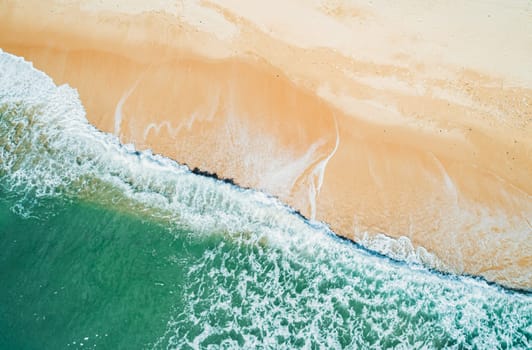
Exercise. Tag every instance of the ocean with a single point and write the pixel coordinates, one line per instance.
(107, 247)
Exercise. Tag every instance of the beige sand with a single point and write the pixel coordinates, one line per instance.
(408, 118)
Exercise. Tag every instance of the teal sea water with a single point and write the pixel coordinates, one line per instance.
(105, 247)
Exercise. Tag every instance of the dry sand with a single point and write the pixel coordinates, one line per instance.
(408, 118)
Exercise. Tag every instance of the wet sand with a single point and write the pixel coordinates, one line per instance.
(372, 118)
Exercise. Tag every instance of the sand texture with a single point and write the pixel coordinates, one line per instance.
(406, 118)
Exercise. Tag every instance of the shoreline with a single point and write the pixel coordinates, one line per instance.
(363, 145)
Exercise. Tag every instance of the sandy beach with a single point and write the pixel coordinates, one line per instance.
(409, 119)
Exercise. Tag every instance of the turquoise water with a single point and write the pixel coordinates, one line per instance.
(106, 247)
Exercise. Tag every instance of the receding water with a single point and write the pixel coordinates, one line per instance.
(109, 248)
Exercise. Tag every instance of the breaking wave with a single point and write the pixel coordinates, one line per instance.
(276, 279)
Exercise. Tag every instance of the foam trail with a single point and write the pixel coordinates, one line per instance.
(118, 109)
(319, 171)
(156, 128)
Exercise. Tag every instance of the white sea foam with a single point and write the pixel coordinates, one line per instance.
(334, 298)
(302, 288)
(48, 147)
(120, 105)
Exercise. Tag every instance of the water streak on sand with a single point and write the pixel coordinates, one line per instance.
(318, 173)
(118, 110)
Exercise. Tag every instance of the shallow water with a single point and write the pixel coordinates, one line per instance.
(106, 247)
